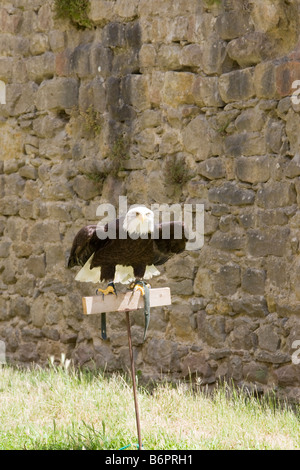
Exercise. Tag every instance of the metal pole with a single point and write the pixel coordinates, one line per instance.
(134, 383)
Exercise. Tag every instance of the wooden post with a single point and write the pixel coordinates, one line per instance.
(136, 404)
(125, 303)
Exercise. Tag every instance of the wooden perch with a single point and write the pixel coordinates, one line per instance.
(125, 302)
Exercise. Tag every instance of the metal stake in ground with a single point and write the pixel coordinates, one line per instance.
(137, 415)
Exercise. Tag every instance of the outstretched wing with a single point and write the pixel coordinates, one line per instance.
(169, 239)
(85, 243)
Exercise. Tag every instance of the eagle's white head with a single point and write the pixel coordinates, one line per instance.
(139, 220)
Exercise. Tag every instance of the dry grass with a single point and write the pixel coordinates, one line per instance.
(67, 409)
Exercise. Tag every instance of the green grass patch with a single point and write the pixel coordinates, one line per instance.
(64, 408)
(74, 10)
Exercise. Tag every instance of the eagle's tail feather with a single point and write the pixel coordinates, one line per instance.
(86, 274)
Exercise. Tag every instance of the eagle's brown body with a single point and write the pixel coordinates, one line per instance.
(137, 253)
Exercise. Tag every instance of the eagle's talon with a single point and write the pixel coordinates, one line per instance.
(140, 288)
(139, 285)
(110, 289)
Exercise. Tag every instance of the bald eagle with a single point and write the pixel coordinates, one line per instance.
(131, 254)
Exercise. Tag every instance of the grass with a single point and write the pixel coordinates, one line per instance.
(59, 408)
(118, 154)
(176, 171)
(74, 10)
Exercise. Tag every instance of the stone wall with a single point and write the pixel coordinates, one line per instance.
(92, 114)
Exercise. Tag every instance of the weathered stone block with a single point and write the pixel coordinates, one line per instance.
(197, 189)
(26, 210)
(10, 23)
(177, 88)
(265, 81)
(147, 56)
(32, 190)
(268, 337)
(228, 279)
(266, 15)
(28, 172)
(275, 136)
(237, 85)
(85, 188)
(57, 40)
(213, 56)
(101, 11)
(278, 194)
(47, 126)
(203, 284)
(287, 376)
(45, 18)
(9, 206)
(41, 67)
(8, 274)
(250, 120)
(39, 44)
(80, 60)
(206, 92)
(250, 49)
(182, 287)
(27, 353)
(253, 169)
(59, 93)
(255, 372)
(126, 9)
(36, 266)
(230, 193)
(19, 307)
(228, 241)
(253, 281)
(293, 167)
(114, 35)
(169, 57)
(247, 144)
(286, 74)
(180, 320)
(11, 143)
(191, 56)
(167, 8)
(212, 168)
(211, 329)
(233, 24)
(292, 123)
(170, 143)
(269, 242)
(242, 336)
(6, 68)
(63, 65)
(136, 90)
(197, 363)
(100, 60)
(92, 96)
(12, 45)
(151, 355)
(45, 232)
(200, 139)
(182, 29)
(4, 249)
(20, 98)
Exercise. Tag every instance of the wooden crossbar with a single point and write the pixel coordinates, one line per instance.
(125, 302)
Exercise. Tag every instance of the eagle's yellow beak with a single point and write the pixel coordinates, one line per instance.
(142, 217)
